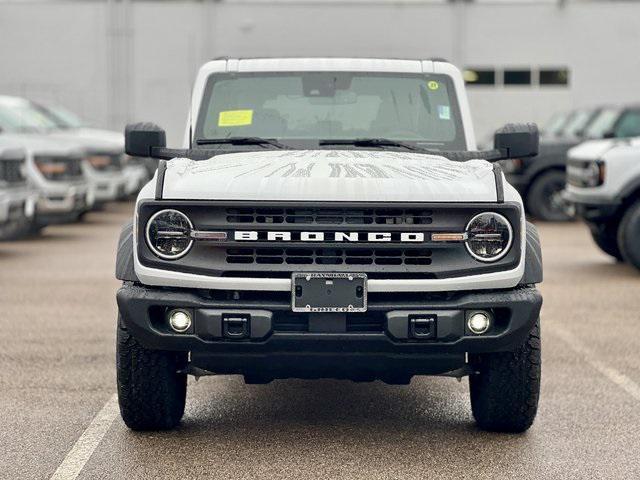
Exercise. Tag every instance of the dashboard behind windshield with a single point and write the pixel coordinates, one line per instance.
(310, 106)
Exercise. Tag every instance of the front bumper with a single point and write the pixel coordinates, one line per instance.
(63, 202)
(107, 187)
(592, 208)
(17, 204)
(280, 343)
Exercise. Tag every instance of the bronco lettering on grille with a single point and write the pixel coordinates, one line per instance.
(302, 236)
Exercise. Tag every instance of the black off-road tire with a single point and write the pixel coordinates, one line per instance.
(19, 229)
(151, 392)
(543, 197)
(629, 235)
(606, 238)
(506, 389)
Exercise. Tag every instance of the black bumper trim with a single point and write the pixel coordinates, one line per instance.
(519, 309)
(597, 212)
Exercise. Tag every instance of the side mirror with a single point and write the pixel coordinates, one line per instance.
(517, 140)
(141, 138)
(609, 134)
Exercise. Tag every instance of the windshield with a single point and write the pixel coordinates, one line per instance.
(578, 122)
(556, 123)
(313, 106)
(18, 115)
(62, 117)
(603, 123)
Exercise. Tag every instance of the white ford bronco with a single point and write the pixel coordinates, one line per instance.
(329, 218)
(603, 182)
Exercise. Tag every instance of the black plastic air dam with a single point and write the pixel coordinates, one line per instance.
(308, 354)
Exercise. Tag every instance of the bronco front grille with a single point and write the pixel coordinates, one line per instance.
(276, 239)
(330, 216)
(329, 256)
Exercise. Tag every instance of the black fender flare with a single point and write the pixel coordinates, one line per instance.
(630, 191)
(533, 257)
(125, 270)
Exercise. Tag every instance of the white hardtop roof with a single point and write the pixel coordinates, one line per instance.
(318, 65)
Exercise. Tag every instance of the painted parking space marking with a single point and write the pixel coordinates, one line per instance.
(84, 447)
(620, 379)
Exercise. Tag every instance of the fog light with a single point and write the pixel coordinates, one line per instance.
(479, 322)
(179, 320)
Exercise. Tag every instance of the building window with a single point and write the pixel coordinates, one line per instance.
(549, 76)
(480, 76)
(517, 77)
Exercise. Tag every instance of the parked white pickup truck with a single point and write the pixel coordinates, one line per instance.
(329, 218)
(17, 198)
(53, 166)
(105, 149)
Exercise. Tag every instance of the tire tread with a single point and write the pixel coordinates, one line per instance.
(151, 392)
(505, 393)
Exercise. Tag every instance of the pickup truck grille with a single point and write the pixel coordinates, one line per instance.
(59, 168)
(275, 240)
(106, 162)
(331, 216)
(11, 171)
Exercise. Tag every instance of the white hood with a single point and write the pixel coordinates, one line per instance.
(89, 133)
(90, 142)
(42, 144)
(595, 149)
(336, 175)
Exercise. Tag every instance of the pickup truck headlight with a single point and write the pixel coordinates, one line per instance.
(489, 237)
(168, 234)
(51, 168)
(99, 162)
(586, 174)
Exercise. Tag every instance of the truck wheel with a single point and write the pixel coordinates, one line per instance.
(605, 237)
(544, 198)
(628, 234)
(505, 391)
(151, 392)
(16, 230)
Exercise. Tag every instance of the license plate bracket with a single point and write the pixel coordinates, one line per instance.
(329, 292)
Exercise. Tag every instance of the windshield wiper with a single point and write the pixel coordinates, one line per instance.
(241, 141)
(372, 142)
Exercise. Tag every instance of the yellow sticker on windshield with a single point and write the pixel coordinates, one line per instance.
(235, 118)
(433, 85)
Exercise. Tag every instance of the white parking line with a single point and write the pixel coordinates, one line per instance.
(84, 447)
(620, 379)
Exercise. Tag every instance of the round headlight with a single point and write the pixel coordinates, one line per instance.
(489, 237)
(168, 234)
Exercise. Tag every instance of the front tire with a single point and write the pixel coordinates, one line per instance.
(506, 389)
(19, 229)
(544, 198)
(605, 237)
(151, 392)
(628, 234)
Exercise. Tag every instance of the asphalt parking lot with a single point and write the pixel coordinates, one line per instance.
(59, 416)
